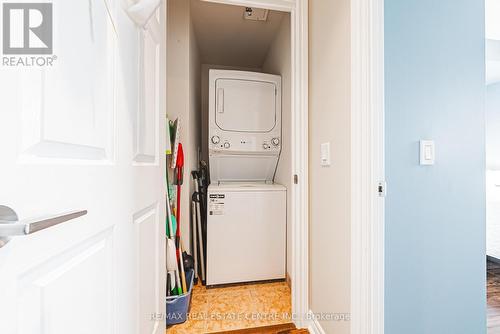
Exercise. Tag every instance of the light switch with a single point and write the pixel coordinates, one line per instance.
(325, 154)
(427, 152)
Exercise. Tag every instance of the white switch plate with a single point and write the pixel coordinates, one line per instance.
(427, 152)
(325, 154)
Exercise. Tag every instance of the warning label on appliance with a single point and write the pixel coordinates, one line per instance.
(216, 204)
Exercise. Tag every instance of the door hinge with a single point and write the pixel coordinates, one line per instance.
(382, 189)
(295, 179)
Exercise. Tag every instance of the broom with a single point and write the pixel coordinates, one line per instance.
(180, 169)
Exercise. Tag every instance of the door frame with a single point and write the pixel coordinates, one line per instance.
(367, 161)
(299, 222)
(367, 167)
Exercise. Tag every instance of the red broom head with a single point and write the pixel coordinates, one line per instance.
(180, 157)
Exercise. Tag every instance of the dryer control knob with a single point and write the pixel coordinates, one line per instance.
(215, 139)
(275, 141)
(266, 146)
(227, 145)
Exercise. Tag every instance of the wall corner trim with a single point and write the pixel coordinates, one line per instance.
(314, 326)
(367, 140)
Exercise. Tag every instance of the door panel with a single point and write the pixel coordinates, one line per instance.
(68, 109)
(147, 229)
(68, 138)
(146, 142)
(47, 291)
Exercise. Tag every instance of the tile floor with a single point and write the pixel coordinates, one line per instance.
(236, 307)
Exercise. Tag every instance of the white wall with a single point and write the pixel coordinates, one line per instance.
(278, 62)
(225, 38)
(493, 126)
(493, 173)
(194, 114)
(183, 97)
(329, 190)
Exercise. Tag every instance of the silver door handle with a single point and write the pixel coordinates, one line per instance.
(11, 226)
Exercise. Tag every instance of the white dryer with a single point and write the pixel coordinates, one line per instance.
(244, 126)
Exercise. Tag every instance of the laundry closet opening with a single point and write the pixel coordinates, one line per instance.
(229, 166)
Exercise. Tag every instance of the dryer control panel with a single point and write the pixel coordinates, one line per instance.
(223, 142)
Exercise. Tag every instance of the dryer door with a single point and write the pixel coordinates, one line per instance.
(245, 105)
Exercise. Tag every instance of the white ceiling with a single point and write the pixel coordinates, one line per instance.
(225, 38)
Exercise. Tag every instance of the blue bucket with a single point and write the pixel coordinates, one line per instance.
(178, 306)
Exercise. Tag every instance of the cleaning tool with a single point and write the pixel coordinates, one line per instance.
(171, 288)
(169, 196)
(172, 264)
(172, 223)
(195, 240)
(197, 199)
(203, 182)
(169, 292)
(172, 251)
(170, 189)
(188, 261)
(174, 261)
(179, 167)
(176, 137)
(168, 146)
(181, 265)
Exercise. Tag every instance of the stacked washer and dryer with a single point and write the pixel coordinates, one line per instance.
(246, 218)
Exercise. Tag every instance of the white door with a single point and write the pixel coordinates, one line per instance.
(85, 134)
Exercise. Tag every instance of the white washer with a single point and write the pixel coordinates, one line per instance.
(246, 233)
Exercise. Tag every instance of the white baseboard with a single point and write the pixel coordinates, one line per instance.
(314, 326)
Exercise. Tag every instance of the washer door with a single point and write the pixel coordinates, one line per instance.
(245, 105)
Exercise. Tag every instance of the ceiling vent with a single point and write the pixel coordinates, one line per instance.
(255, 14)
